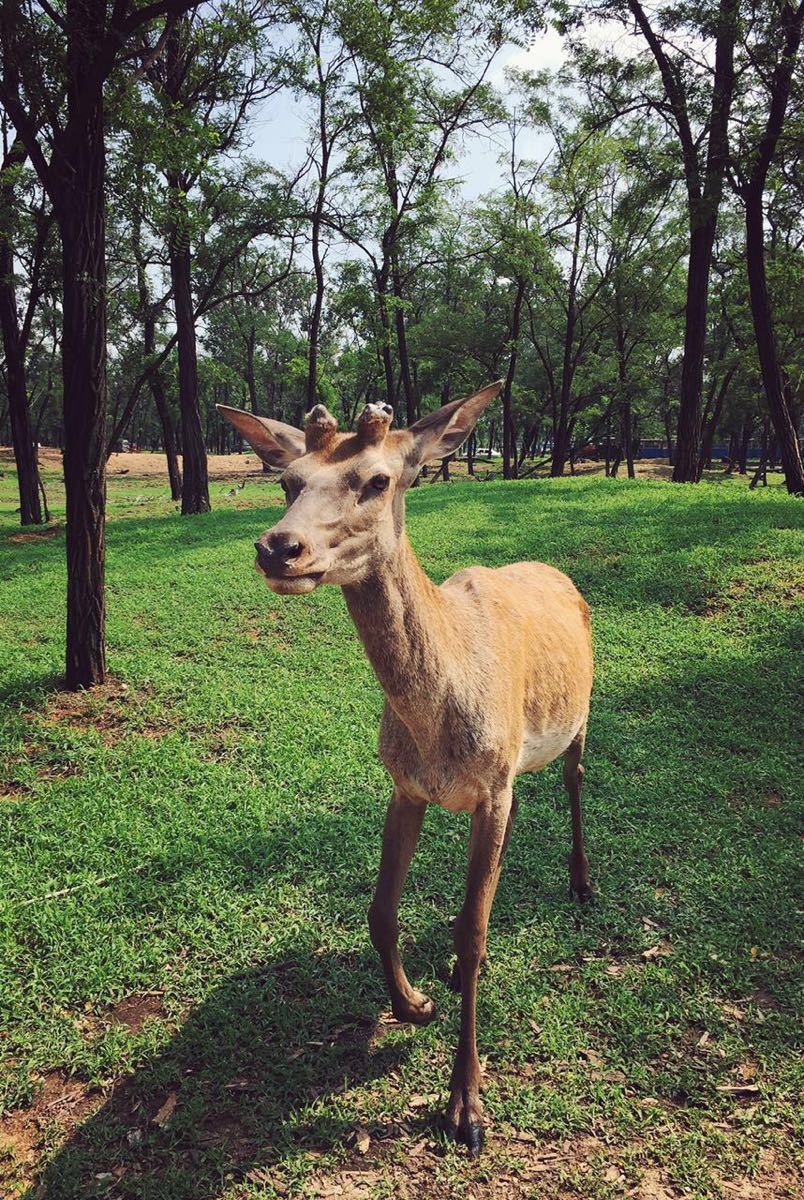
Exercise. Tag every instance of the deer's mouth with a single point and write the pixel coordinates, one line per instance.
(287, 582)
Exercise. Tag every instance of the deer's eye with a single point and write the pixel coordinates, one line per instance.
(378, 483)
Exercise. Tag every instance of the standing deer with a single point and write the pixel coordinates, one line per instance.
(485, 677)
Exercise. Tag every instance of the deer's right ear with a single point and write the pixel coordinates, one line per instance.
(277, 444)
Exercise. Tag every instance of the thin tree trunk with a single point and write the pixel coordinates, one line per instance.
(560, 435)
(745, 441)
(668, 433)
(251, 376)
(710, 427)
(317, 218)
(509, 440)
(784, 429)
(21, 437)
(402, 343)
(685, 461)
(195, 484)
(168, 435)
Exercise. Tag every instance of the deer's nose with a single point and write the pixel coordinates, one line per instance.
(274, 548)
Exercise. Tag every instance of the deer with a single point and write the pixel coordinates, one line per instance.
(486, 677)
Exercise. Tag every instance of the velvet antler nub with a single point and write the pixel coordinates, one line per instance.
(320, 428)
(374, 423)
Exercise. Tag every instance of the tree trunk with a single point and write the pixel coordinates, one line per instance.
(745, 441)
(82, 224)
(251, 377)
(668, 433)
(560, 427)
(21, 436)
(685, 462)
(385, 325)
(160, 401)
(710, 427)
(509, 440)
(627, 438)
(195, 485)
(783, 426)
(168, 435)
(402, 346)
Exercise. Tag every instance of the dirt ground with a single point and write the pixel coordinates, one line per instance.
(144, 465)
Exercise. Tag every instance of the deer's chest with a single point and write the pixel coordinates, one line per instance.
(459, 771)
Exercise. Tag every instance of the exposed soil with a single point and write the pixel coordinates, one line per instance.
(146, 465)
(134, 1011)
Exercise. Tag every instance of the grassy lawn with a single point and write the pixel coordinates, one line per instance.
(189, 1004)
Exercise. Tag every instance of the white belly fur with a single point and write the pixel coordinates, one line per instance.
(539, 749)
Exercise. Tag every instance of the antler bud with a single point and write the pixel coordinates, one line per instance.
(320, 428)
(374, 423)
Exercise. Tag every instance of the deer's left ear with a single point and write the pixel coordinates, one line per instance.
(442, 432)
(276, 443)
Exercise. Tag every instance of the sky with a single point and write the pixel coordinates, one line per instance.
(280, 127)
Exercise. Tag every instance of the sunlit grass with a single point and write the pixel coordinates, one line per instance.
(202, 836)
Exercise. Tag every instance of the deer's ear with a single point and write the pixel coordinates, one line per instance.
(276, 443)
(442, 432)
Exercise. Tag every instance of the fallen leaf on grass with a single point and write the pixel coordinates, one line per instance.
(166, 1111)
(660, 950)
(362, 1140)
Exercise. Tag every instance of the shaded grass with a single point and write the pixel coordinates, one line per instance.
(205, 831)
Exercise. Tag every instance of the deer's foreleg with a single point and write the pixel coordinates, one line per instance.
(491, 825)
(455, 978)
(403, 824)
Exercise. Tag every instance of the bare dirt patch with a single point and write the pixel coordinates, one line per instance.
(39, 535)
(142, 464)
(134, 1011)
(109, 710)
(61, 1101)
(11, 791)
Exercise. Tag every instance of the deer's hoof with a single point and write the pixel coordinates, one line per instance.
(582, 891)
(463, 1123)
(474, 1136)
(417, 1009)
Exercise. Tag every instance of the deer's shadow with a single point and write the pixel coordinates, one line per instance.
(237, 1086)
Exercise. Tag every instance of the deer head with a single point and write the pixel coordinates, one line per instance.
(345, 491)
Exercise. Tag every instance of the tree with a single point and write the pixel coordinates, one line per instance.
(762, 126)
(16, 333)
(46, 54)
(694, 99)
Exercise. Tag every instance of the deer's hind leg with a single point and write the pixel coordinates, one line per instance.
(403, 824)
(573, 781)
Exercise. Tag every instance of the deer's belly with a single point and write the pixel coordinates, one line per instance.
(540, 747)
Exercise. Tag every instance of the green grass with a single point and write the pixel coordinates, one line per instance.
(187, 858)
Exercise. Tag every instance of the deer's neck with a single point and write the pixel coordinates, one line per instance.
(404, 623)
